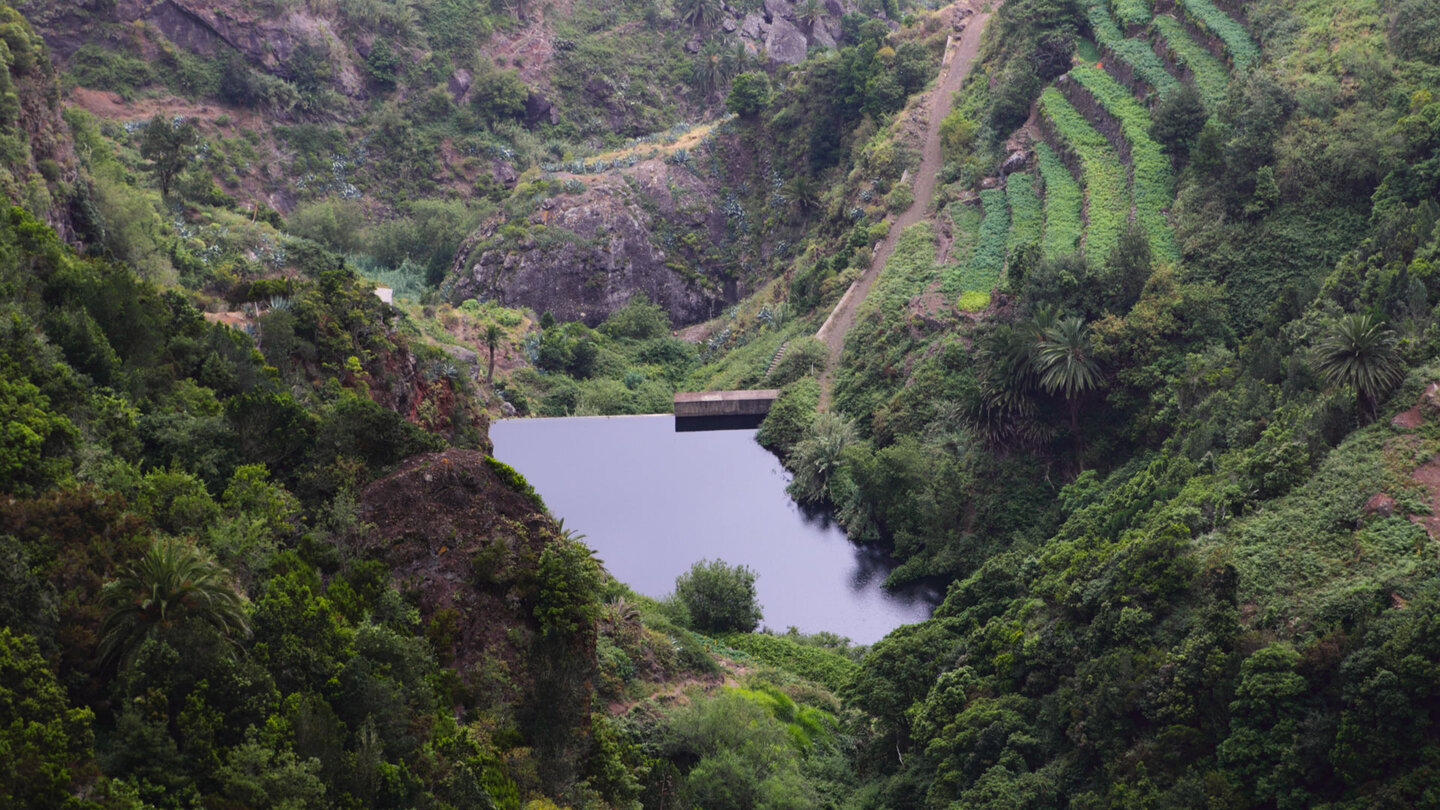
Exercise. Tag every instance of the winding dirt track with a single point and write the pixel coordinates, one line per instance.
(958, 60)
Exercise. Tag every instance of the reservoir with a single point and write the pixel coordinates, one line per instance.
(652, 502)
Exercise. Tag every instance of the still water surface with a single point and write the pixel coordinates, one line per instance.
(652, 501)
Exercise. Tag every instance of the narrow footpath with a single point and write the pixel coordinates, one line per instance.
(959, 57)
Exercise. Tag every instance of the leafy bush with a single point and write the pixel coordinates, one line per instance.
(1063, 203)
(719, 597)
(1153, 183)
(790, 416)
(1108, 206)
(568, 581)
(513, 480)
(333, 222)
(1416, 32)
(498, 95)
(803, 356)
(638, 319)
(1132, 12)
(749, 94)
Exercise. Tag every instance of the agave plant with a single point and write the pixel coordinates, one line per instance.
(174, 582)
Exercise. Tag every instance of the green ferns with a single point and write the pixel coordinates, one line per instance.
(825, 667)
(977, 278)
(1108, 206)
(1153, 180)
(1242, 49)
(1210, 74)
(1135, 53)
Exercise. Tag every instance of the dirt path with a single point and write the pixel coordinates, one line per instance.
(958, 59)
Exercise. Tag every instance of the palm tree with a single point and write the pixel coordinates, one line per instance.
(804, 194)
(1360, 352)
(698, 14)
(173, 583)
(492, 341)
(1066, 368)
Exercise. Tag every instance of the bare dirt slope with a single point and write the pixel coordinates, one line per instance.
(959, 58)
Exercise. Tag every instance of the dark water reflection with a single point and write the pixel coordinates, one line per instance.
(652, 501)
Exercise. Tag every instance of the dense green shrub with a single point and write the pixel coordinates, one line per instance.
(790, 416)
(720, 597)
(638, 320)
(1132, 12)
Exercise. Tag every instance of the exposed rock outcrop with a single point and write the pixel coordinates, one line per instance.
(609, 237)
(782, 30)
(206, 27)
(38, 169)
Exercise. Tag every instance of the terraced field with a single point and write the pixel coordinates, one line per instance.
(1123, 177)
(1136, 55)
(1209, 74)
(1241, 49)
(1151, 180)
(1027, 220)
(1103, 176)
(1064, 202)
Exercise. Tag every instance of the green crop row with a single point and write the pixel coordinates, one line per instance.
(983, 270)
(1133, 52)
(1211, 77)
(987, 254)
(1242, 49)
(1132, 12)
(1063, 202)
(1107, 204)
(1026, 219)
(1153, 181)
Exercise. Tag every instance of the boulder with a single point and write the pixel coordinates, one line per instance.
(538, 108)
(459, 84)
(1015, 162)
(753, 26)
(1379, 505)
(786, 43)
(778, 10)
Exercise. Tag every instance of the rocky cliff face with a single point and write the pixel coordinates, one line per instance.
(782, 30)
(206, 27)
(652, 229)
(37, 158)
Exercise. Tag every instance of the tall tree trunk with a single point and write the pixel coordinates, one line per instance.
(490, 372)
(1075, 432)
